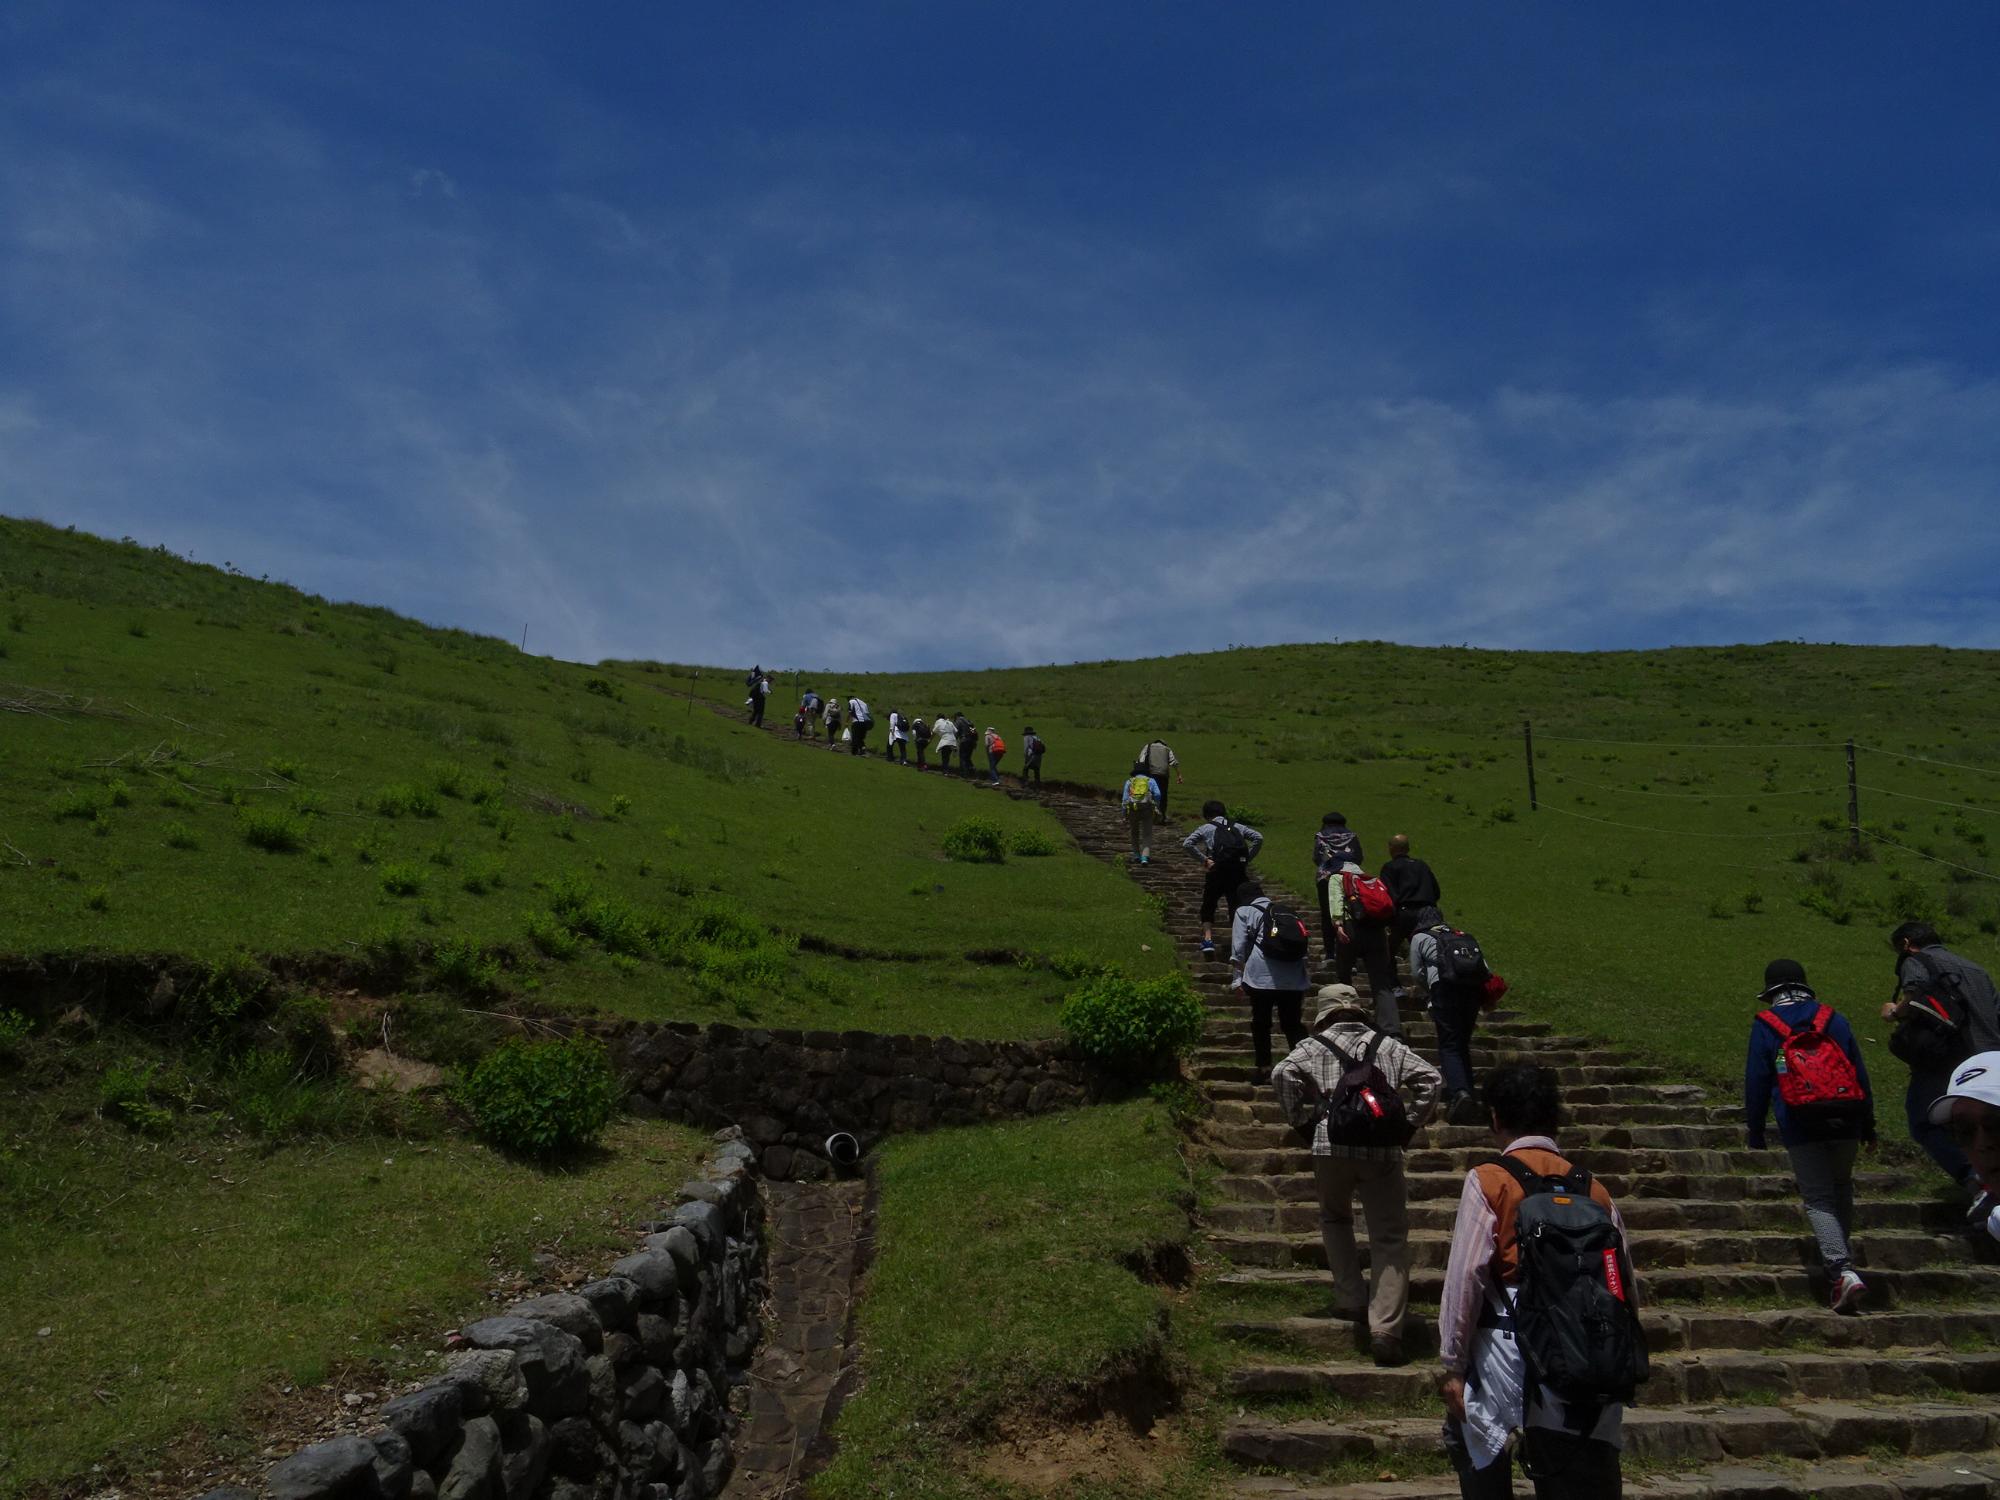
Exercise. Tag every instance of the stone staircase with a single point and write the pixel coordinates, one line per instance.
(1758, 1391)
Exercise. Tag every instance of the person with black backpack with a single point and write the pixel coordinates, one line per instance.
(1945, 1009)
(1804, 1059)
(1451, 967)
(1538, 1321)
(1361, 1094)
(1225, 850)
(1033, 748)
(1267, 962)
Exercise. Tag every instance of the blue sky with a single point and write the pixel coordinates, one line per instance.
(923, 335)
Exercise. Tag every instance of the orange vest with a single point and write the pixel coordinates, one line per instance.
(1504, 1195)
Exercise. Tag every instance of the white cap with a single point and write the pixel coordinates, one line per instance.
(1978, 1077)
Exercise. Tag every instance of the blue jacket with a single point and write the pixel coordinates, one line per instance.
(1795, 1007)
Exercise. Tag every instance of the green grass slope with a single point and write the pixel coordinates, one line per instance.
(202, 763)
(1694, 801)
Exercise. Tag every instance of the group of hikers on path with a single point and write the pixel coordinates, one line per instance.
(849, 722)
(1539, 1338)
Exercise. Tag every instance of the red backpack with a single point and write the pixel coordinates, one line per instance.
(1368, 893)
(1815, 1075)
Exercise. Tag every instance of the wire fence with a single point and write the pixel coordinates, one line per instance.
(1846, 820)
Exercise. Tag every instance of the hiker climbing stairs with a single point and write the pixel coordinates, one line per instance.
(1757, 1389)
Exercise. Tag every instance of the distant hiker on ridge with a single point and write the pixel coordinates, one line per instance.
(968, 738)
(858, 724)
(947, 740)
(1157, 760)
(899, 738)
(1804, 1058)
(811, 706)
(832, 715)
(920, 736)
(996, 750)
(1225, 850)
(760, 689)
(1033, 748)
(1362, 912)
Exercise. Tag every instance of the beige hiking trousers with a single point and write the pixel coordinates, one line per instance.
(1385, 1200)
(1140, 817)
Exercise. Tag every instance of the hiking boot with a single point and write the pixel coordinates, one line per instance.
(1388, 1353)
(1464, 1110)
(1848, 1292)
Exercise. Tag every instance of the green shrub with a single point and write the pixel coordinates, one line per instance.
(402, 879)
(459, 966)
(483, 875)
(1133, 1025)
(98, 898)
(273, 830)
(441, 1032)
(620, 805)
(542, 1098)
(124, 1094)
(283, 767)
(446, 778)
(975, 841)
(1031, 843)
(551, 934)
(180, 836)
(79, 802)
(404, 800)
(119, 793)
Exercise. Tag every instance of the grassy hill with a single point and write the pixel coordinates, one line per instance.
(1694, 801)
(206, 765)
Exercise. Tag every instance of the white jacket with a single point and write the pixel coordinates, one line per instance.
(945, 732)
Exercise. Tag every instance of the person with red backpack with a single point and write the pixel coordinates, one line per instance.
(1805, 1061)
(1362, 917)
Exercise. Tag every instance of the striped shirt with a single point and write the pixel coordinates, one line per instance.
(1312, 1073)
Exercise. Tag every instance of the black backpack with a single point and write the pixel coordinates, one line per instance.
(1933, 1034)
(1282, 934)
(1460, 963)
(921, 731)
(1574, 1317)
(1362, 1110)
(1229, 846)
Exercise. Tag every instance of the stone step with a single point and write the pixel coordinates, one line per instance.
(1585, 1140)
(1717, 1330)
(1803, 1287)
(1569, 1075)
(1239, 1087)
(1264, 1110)
(1651, 1249)
(1662, 1435)
(1953, 1476)
(1608, 1162)
(1298, 1187)
(1302, 1216)
(1852, 1375)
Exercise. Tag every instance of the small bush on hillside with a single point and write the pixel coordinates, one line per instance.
(975, 841)
(271, 1096)
(620, 805)
(542, 1098)
(284, 768)
(446, 778)
(118, 793)
(1132, 1025)
(460, 967)
(272, 830)
(440, 1032)
(402, 879)
(483, 875)
(180, 836)
(124, 1094)
(604, 687)
(1030, 843)
(79, 802)
(98, 898)
(552, 935)
(404, 800)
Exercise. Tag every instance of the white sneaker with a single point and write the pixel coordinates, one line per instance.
(1848, 1292)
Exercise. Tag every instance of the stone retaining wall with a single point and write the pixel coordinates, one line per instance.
(790, 1089)
(616, 1391)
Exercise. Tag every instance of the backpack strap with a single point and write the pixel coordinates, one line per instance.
(1770, 1019)
(1820, 1018)
(1374, 1046)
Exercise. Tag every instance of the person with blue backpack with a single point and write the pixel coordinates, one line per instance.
(1804, 1061)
